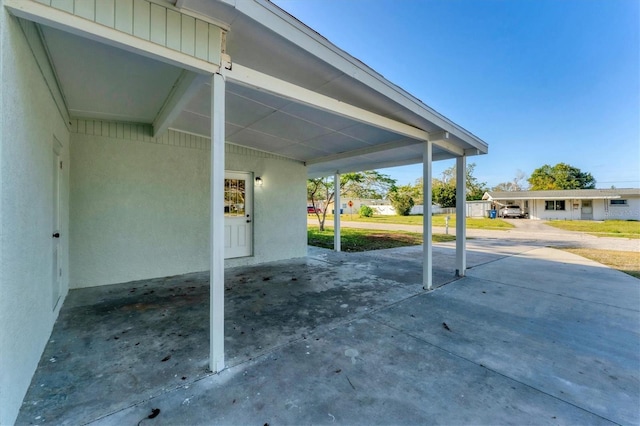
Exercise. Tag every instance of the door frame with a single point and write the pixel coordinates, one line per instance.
(56, 269)
(248, 216)
(583, 214)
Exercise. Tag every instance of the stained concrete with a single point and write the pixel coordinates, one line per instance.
(533, 335)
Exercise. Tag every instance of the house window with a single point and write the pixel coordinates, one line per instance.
(618, 202)
(554, 205)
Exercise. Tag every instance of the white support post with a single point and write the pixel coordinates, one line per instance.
(427, 233)
(461, 216)
(336, 212)
(216, 309)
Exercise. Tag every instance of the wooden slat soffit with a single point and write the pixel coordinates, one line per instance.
(151, 22)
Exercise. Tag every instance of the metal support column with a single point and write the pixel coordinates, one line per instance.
(336, 211)
(216, 277)
(461, 216)
(427, 252)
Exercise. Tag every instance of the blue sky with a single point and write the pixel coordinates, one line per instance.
(541, 81)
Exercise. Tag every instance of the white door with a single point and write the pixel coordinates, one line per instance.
(238, 219)
(56, 271)
(586, 212)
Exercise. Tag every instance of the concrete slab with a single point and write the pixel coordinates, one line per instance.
(359, 373)
(352, 339)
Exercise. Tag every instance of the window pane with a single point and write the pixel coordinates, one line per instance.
(234, 193)
(549, 205)
(560, 205)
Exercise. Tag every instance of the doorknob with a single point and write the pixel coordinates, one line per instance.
(56, 235)
(248, 220)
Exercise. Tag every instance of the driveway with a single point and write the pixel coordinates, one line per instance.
(531, 335)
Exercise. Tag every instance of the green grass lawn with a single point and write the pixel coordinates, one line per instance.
(437, 220)
(608, 228)
(355, 240)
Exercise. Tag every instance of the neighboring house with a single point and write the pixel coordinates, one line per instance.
(576, 204)
(146, 138)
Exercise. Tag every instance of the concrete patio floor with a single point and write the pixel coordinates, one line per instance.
(533, 336)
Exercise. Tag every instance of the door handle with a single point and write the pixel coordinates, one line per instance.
(248, 220)
(56, 235)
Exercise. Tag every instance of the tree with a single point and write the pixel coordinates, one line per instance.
(443, 193)
(401, 200)
(444, 189)
(516, 184)
(369, 184)
(560, 176)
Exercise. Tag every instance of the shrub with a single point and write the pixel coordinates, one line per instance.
(365, 211)
(401, 202)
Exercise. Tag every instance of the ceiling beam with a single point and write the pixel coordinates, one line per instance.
(443, 140)
(252, 78)
(364, 151)
(323, 170)
(185, 88)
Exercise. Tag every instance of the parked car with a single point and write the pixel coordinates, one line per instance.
(311, 209)
(512, 211)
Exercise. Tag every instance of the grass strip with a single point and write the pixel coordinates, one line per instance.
(624, 261)
(607, 228)
(437, 221)
(357, 240)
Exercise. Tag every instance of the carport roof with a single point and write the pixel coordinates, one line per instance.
(289, 91)
(582, 194)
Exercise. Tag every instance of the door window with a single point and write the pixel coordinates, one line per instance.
(234, 197)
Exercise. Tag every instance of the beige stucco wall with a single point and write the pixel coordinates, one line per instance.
(29, 120)
(140, 206)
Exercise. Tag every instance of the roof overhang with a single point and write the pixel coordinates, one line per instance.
(289, 91)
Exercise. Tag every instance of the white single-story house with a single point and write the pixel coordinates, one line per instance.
(146, 138)
(576, 204)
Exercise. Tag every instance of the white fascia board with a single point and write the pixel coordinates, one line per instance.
(304, 37)
(182, 92)
(252, 78)
(54, 18)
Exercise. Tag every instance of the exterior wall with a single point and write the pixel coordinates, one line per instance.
(537, 211)
(29, 122)
(280, 221)
(140, 205)
(602, 210)
(630, 211)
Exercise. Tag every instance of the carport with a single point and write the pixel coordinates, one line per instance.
(232, 76)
